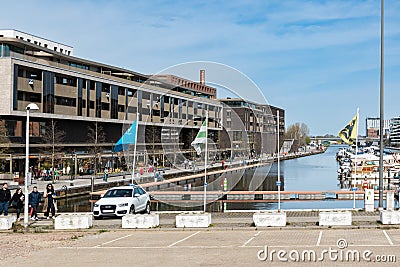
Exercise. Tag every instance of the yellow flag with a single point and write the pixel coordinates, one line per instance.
(349, 133)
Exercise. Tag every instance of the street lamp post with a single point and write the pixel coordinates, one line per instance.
(30, 107)
(381, 110)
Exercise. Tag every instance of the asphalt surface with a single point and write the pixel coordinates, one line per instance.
(213, 247)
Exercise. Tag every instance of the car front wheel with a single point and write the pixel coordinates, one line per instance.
(147, 210)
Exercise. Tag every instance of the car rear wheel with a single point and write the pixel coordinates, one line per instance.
(132, 210)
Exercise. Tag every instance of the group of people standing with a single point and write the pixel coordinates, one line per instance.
(17, 200)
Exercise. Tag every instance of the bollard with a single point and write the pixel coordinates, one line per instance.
(390, 200)
(369, 200)
(92, 183)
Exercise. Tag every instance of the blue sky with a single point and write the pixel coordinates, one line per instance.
(319, 60)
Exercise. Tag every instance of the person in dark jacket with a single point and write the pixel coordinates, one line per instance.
(49, 193)
(17, 201)
(34, 200)
(5, 197)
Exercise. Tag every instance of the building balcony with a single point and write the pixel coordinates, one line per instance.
(65, 110)
(24, 85)
(65, 91)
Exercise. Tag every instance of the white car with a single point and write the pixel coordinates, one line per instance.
(122, 200)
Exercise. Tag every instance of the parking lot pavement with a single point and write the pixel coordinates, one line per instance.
(191, 247)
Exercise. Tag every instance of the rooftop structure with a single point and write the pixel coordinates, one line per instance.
(38, 41)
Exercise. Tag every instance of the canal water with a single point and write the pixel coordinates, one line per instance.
(311, 173)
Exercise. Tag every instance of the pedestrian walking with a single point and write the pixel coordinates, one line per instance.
(5, 197)
(105, 177)
(34, 199)
(56, 175)
(17, 201)
(185, 162)
(49, 195)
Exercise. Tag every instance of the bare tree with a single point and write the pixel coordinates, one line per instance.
(4, 143)
(96, 136)
(298, 131)
(54, 136)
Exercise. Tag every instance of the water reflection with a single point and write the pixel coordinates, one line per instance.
(312, 173)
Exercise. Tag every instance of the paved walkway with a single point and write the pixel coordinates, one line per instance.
(85, 180)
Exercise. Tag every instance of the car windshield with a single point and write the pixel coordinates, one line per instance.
(118, 193)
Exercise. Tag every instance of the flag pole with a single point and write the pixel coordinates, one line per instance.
(134, 151)
(205, 164)
(355, 162)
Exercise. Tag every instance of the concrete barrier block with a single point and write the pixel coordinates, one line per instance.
(73, 221)
(390, 200)
(140, 221)
(389, 217)
(193, 220)
(7, 222)
(269, 218)
(332, 218)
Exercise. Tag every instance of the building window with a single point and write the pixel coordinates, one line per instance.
(77, 65)
(92, 85)
(146, 95)
(237, 136)
(121, 108)
(132, 109)
(131, 92)
(29, 97)
(156, 112)
(65, 80)
(29, 73)
(105, 106)
(105, 88)
(66, 101)
(121, 90)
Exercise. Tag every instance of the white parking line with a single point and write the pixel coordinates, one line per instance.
(105, 243)
(319, 238)
(388, 238)
(251, 239)
(183, 239)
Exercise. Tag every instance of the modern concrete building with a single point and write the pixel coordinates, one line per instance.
(92, 104)
(394, 135)
(372, 127)
(80, 95)
(251, 127)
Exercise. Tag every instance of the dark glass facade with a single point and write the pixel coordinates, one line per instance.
(48, 92)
